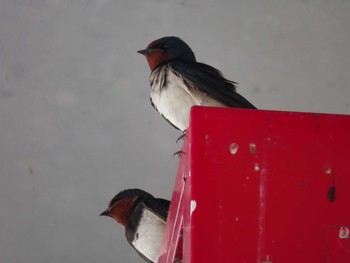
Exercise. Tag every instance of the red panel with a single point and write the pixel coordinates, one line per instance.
(260, 185)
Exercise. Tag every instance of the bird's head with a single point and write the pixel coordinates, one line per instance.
(121, 206)
(166, 49)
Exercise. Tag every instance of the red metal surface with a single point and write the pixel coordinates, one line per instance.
(256, 186)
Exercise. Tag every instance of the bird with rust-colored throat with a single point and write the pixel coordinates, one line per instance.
(179, 82)
(144, 218)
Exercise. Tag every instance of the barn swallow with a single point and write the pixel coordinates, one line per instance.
(144, 218)
(179, 82)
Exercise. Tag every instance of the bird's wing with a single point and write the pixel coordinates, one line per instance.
(158, 206)
(211, 82)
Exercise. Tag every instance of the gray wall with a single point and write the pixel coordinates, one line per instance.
(76, 125)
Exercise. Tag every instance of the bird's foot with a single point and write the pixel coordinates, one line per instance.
(181, 136)
(178, 154)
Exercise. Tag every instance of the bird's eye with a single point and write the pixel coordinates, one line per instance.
(165, 46)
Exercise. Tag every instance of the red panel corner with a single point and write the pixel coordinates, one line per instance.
(261, 186)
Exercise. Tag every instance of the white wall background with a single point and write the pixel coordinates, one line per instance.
(76, 125)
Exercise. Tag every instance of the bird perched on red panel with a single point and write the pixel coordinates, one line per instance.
(179, 82)
(144, 218)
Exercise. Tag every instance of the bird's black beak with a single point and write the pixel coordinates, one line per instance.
(105, 213)
(144, 52)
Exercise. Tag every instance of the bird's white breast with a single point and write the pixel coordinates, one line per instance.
(149, 235)
(173, 99)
